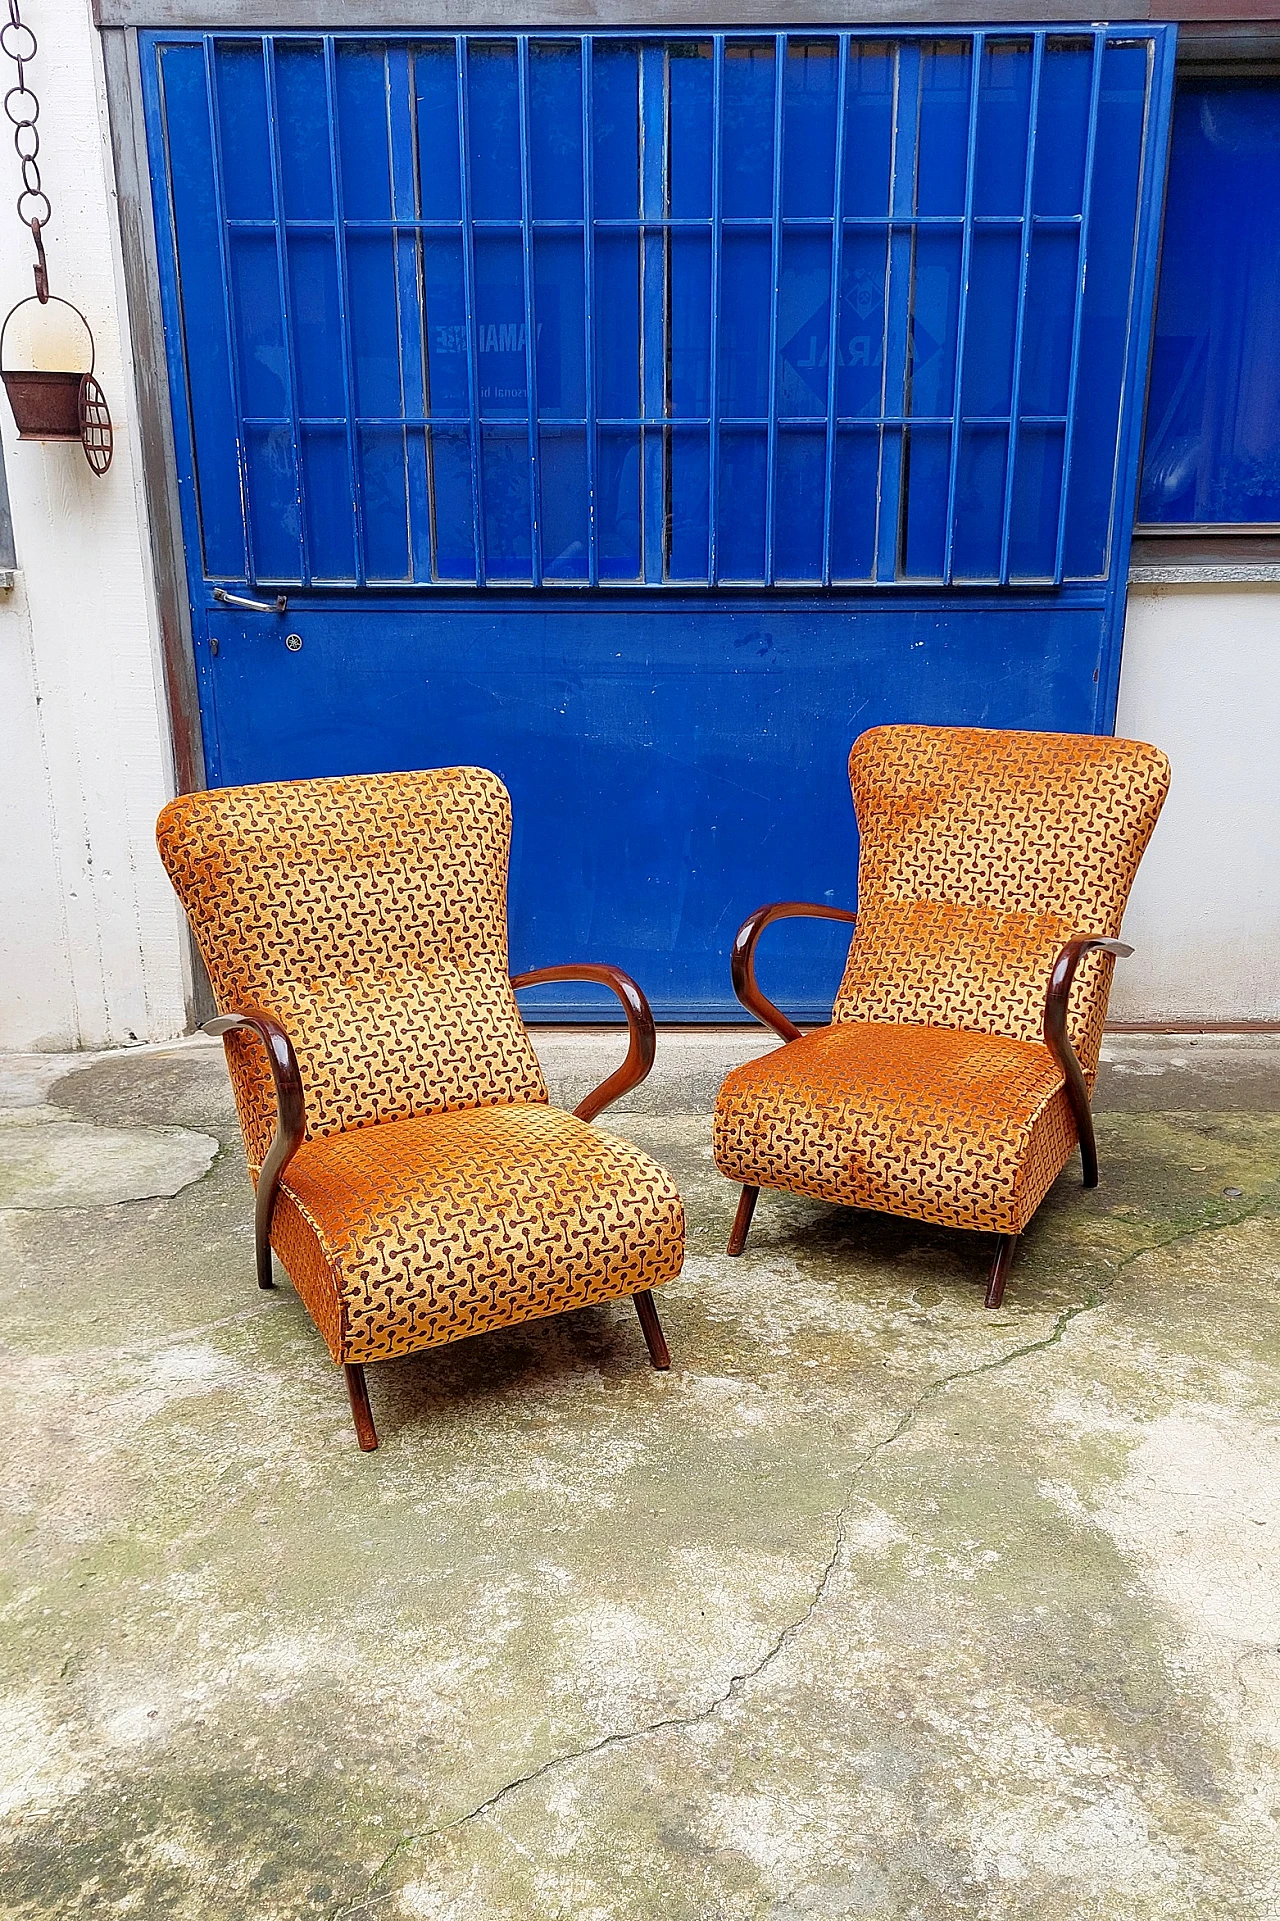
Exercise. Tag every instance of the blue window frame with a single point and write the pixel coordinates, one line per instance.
(1212, 455)
(781, 311)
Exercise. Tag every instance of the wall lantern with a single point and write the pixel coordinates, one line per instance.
(48, 403)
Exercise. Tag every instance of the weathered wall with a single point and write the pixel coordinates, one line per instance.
(90, 948)
(1201, 678)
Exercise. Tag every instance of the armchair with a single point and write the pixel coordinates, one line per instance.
(954, 1080)
(410, 1173)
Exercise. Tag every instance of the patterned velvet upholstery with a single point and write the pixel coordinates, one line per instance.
(436, 1193)
(932, 1094)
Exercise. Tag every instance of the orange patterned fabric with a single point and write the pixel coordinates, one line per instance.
(963, 1129)
(436, 1194)
(981, 852)
(369, 915)
(432, 1229)
(932, 1094)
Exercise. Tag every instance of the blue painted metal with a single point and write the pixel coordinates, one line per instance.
(1213, 415)
(782, 382)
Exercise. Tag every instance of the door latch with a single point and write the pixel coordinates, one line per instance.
(280, 605)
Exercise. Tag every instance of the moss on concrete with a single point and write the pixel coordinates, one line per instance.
(877, 1605)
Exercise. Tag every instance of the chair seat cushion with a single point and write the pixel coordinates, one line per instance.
(938, 1124)
(412, 1233)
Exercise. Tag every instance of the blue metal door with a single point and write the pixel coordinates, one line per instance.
(643, 416)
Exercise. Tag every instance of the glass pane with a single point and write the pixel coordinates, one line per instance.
(747, 130)
(555, 131)
(1112, 221)
(493, 117)
(241, 93)
(746, 274)
(435, 75)
(689, 340)
(501, 364)
(804, 321)
(1046, 333)
(1004, 107)
(860, 336)
(375, 324)
(273, 503)
(560, 321)
(255, 290)
(979, 523)
(868, 150)
(689, 498)
(615, 109)
(1062, 127)
(854, 491)
(799, 495)
(926, 466)
(944, 127)
(618, 504)
(689, 81)
(504, 471)
(450, 452)
(992, 318)
(740, 510)
(317, 333)
(1213, 415)
(563, 475)
(386, 503)
(364, 157)
(206, 343)
(936, 287)
(1037, 495)
(446, 324)
(617, 326)
(302, 128)
(327, 494)
(809, 127)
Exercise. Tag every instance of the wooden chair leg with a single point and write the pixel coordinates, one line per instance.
(651, 1327)
(358, 1392)
(262, 1255)
(1000, 1269)
(1088, 1148)
(742, 1219)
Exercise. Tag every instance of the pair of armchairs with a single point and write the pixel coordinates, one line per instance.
(410, 1173)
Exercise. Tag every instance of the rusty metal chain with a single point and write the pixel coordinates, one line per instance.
(22, 110)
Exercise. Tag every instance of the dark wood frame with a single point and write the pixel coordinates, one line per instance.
(1056, 1002)
(291, 1131)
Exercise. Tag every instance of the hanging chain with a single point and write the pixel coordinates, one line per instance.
(22, 110)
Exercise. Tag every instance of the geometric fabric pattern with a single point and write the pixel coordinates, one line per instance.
(980, 852)
(965, 1130)
(369, 915)
(436, 1194)
(932, 1094)
(423, 1231)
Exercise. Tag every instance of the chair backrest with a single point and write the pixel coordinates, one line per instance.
(369, 915)
(980, 853)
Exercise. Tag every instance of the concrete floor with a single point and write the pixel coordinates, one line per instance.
(876, 1605)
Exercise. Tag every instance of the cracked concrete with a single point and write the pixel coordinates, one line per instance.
(877, 1605)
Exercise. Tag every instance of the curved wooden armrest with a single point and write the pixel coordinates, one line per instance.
(643, 1040)
(1056, 1001)
(742, 960)
(291, 1117)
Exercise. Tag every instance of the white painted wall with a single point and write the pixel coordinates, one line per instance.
(1201, 678)
(91, 952)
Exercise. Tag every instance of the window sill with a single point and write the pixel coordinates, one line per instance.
(1190, 554)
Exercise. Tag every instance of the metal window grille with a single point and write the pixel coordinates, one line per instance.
(792, 311)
